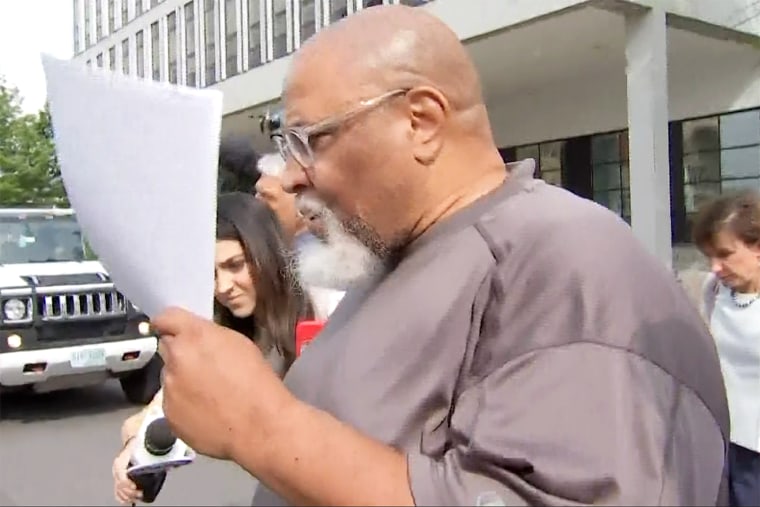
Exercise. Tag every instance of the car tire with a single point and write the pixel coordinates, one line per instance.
(142, 385)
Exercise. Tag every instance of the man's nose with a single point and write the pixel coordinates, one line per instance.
(294, 177)
(260, 186)
(268, 190)
(715, 265)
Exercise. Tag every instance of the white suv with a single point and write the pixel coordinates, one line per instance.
(63, 324)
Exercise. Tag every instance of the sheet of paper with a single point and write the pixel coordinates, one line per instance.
(139, 163)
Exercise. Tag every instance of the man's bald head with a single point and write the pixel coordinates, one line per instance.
(393, 128)
(396, 46)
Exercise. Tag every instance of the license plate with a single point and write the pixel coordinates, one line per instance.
(87, 358)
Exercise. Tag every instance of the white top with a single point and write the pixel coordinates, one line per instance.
(325, 301)
(737, 335)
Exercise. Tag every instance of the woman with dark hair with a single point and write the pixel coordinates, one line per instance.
(727, 232)
(254, 294)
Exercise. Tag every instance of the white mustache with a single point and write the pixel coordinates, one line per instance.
(310, 207)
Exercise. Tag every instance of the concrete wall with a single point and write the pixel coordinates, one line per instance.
(468, 19)
(741, 15)
(597, 103)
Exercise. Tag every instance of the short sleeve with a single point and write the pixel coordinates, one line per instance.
(577, 424)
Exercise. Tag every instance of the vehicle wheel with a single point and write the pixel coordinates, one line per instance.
(142, 385)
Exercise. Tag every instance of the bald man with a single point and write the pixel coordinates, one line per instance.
(519, 347)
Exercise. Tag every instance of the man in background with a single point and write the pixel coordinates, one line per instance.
(326, 259)
(269, 189)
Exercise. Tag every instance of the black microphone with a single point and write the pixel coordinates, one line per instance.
(158, 441)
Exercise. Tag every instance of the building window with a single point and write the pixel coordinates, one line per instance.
(550, 162)
(124, 12)
(138, 7)
(254, 33)
(308, 19)
(548, 158)
(99, 60)
(171, 34)
(125, 56)
(720, 153)
(371, 3)
(338, 10)
(155, 52)
(610, 176)
(280, 29)
(77, 28)
(112, 58)
(111, 17)
(529, 151)
(231, 38)
(87, 24)
(209, 29)
(191, 76)
(98, 20)
(140, 53)
(154, 3)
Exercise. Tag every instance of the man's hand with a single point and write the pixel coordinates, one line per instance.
(225, 401)
(217, 385)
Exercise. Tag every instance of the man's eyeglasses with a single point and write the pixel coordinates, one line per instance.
(296, 141)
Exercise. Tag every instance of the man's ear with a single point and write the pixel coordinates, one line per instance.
(428, 110)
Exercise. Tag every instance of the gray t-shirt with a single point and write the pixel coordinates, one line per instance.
(528, 351)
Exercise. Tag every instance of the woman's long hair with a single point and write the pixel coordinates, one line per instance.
(280, 301)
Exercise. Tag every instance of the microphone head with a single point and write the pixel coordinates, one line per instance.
(159, 439)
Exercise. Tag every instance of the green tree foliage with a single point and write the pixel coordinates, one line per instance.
(29, 171)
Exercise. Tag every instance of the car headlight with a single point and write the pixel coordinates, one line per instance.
(16, 309)
(143, 328)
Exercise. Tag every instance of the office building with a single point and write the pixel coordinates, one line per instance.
(646, 106)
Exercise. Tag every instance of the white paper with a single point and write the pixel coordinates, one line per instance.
(139, 162)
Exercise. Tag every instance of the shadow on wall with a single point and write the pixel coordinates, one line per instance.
(692, 281)
(691, 270)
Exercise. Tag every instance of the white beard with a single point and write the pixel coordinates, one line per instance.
(337, 263)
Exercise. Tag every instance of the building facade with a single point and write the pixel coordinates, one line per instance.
(199, 43)
(648, 107)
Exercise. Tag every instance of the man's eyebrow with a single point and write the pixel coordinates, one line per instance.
(291, 119)
(296, 123)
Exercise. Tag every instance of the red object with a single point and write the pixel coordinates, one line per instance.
(306, 331)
